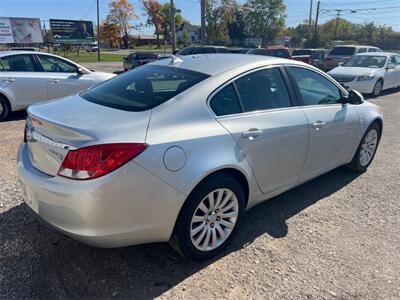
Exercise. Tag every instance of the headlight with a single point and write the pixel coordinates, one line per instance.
(366, 77)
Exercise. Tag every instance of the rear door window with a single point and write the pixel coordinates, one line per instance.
(362, 50)
(143, 88)
(146, 56)
(18, 63)
(345, 51)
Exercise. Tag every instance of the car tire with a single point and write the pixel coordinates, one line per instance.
(366, 149)
(216, 228)
(377, 88)
(4, 108)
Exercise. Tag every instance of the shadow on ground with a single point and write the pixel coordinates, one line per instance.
(39, 263)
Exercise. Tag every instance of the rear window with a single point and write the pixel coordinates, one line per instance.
(345, 51)
(143, 88)
(146, 56)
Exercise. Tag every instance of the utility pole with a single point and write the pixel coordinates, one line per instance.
(173, 39)
(316, 18)
(310, 18)
(338, 11)
(98, 31)
(203, 21)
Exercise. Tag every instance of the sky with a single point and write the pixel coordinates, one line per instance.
(386, 11)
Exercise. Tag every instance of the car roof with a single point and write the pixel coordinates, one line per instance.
(212, 64)
(378, 53)
(356, 46)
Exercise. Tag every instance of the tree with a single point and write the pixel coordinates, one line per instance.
(264, 18)
(165, 12)
(237, 27)
(218, 17)
(121, 13)
(185, 36)
(154, 17)
(110, 33)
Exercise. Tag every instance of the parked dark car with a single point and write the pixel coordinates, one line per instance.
(277, 51)
(315, 57)
(137, 59)
(202, 50)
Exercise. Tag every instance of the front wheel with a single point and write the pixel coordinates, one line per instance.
(4, 109)
(366, 150)
(210, 217)
(377, 88)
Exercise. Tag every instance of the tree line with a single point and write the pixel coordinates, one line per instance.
(230, 22)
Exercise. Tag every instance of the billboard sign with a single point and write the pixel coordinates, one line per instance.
(72, 32)
(20, 31)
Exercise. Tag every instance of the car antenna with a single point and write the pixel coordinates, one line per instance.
(175, 59)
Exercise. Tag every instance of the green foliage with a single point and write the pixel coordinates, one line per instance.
(165, 12)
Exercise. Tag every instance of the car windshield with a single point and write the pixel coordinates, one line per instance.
(366, 61)
(186, 51)
(143, 88)
(346, 51)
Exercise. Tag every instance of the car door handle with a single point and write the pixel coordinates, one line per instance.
(252, 133)
(54, 80)
(9, 80)
(318, 125)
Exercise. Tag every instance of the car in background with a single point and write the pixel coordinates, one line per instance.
(202, 50)
(340, 54)
(28, 77)
(137, 59)
(369, 73)
(179, 150)
(277, 51)
(315, 57)
(92, 48)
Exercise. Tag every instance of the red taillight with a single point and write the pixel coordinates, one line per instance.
(97, 160)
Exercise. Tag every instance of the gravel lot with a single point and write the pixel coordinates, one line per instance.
(336, 237)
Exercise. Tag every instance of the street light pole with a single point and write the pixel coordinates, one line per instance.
(203, 22)
(98, 32)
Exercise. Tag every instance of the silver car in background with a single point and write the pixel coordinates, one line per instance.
(28, 77)
(180, 148)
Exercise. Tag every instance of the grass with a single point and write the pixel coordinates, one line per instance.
(91, 57)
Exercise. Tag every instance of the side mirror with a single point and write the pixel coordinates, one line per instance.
(391, 67)
(354, 97)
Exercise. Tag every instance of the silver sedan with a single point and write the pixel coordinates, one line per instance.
(179, 149)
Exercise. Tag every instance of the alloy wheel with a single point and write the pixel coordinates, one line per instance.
(368, 147)
(214, 219)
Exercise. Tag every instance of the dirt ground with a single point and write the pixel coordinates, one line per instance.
(336, 237)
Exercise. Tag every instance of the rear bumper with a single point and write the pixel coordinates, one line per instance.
(126, 207)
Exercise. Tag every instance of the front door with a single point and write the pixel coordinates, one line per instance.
(271, 133)
(62, 78)
(333, 126)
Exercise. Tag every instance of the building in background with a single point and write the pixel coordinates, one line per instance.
(188, 34)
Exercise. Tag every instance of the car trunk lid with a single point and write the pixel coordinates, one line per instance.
(56, 127)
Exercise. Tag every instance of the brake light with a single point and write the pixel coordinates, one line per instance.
(97, 160)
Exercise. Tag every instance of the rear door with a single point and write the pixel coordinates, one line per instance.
(20, 79)
(62, 77)
(258, 111)
(392, 76)
(333, 126)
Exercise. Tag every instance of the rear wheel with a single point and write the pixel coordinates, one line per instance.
(366, 150)
(209, 218)
(4, 108)
(377, 88)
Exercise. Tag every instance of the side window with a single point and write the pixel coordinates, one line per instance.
(18, 63)
(54, 64)
(265, 89)
(397, 58)
(371, 50)
(132, 56)
(225, 102)
(222, 50)
(362, 50)
(314, 88)
(392, 61)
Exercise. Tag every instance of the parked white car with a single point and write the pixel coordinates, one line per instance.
(28, 77)
(369, 73)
